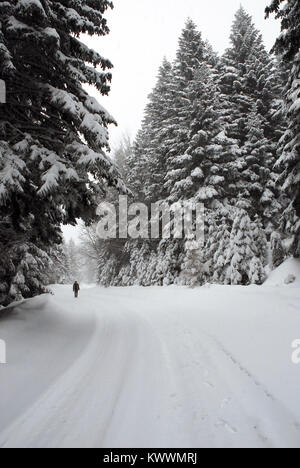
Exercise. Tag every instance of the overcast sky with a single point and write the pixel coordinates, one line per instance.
(144, 31)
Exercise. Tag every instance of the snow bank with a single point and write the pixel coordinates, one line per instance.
(33, 303)
(289, 268)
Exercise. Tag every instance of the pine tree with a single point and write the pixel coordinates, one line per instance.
(257, 182)
(220, 260)
(243, 269)
(248, 77)
(260, 240)
(193, 123)
(23, 264)
(53, 135)
(107, 271)
(211, 240)
(287, 48)
(200, 173)
(169, 258)
(277, 250)
(257, 273)
(194, 268)
(152, 141)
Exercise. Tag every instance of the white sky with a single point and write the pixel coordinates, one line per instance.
(143, 32)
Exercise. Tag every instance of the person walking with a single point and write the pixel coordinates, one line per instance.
(76, 289)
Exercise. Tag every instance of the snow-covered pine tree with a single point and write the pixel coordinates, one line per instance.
(250, 80)
(193, 122)
(260, 239)
(243, 37)
(287, 48)
(257, 182)
(244, 265)
(211, 241)
(248, 77)
(107, 271)
(194, 270)
(277, 250)
(220, 259)
(23, 264)
(52, 133)
(257, 274)
(169, 259)
(151, 145)
(203, 166)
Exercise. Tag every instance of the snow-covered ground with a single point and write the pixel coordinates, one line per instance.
(154, 367)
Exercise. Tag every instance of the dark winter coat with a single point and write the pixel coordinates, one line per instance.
(76, 287)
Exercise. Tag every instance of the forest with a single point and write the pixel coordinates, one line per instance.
(220, 130)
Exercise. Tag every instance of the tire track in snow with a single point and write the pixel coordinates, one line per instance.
(277, 407)
(251, 405)
(78, 408)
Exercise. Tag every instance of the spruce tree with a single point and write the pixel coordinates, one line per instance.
(193, 267)
(257, 273)
(277, 250)
(257, 182)
(251, 84)
(169, 258)
(53, 134)
(244, 265)
(193, 122)
(152, 141)
(259, 234)
(221, 258)
(287, 48)
(248, 76)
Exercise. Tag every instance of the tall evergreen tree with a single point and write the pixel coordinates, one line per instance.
(277, 250)
(220, 258)
(152, 142)
(53, 135)
(193, 117)
(251, 83)
(245, 267)
(193, 267)
(287, 48)
(257, 181)
(248, 77)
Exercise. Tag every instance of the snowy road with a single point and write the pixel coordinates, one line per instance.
(155, 367)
